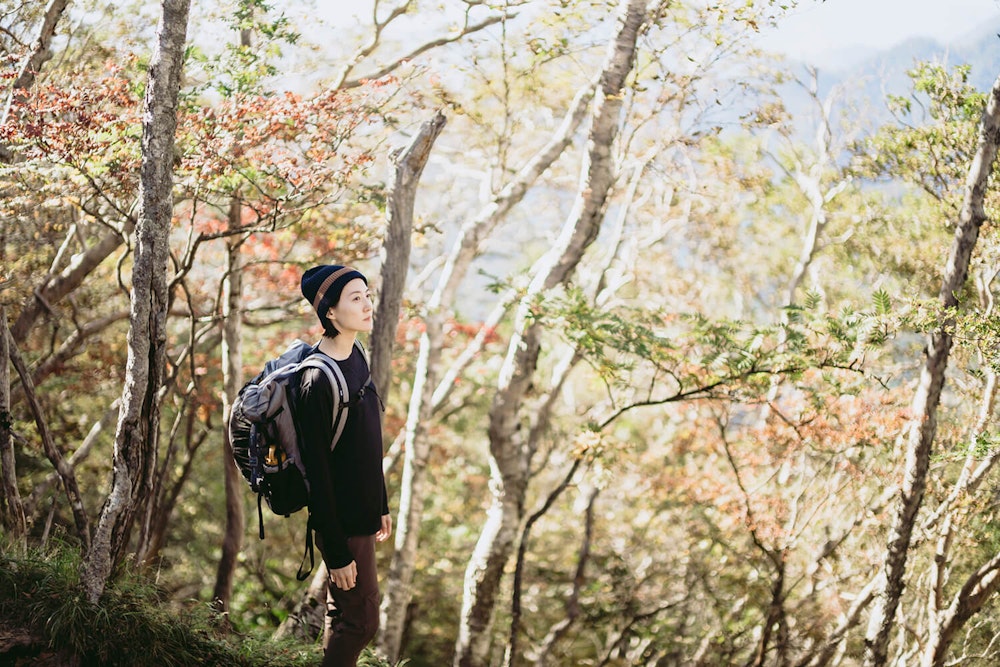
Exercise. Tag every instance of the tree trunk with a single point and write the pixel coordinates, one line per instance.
(412, 493)
(922, 427)
(409, 164)
(510, 455)
(423, 403)
(485, 570)
(232, 378)
(305, 623)
(969, 601)
(11, 507)
(134, 454)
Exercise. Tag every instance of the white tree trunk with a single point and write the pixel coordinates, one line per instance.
(134, 455)
(510, 453)
(423, 404)
(409, 165)
(923, 425)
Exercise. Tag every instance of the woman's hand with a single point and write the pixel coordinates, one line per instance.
(386, 530)
(345, 577)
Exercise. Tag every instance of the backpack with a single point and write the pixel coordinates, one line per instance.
(264, 437)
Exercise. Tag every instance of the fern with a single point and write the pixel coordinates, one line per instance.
(882, 302)
(813, 299)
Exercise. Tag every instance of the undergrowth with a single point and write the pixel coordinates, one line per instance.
(131, 625)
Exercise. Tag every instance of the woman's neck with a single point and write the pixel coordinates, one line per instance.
(339, 347)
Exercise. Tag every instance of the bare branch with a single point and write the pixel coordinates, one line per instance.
(341, 82)
(80, 455)
(52, 452)
(11, 509)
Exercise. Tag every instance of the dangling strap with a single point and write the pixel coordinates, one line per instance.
(260, 515)
(300, 575)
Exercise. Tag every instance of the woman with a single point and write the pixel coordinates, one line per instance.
(348, 507)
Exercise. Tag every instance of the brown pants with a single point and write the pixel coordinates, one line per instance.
(352, 616)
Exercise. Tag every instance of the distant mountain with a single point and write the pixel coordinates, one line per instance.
(868, 77)
(982, 51)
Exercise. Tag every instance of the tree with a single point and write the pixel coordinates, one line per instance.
(511, 448)
(138, 425)
(921, 431)
(426, 396)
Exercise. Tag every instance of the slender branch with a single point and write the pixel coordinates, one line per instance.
(572, 604)
(522, 550)
(12, 515)
(78, 456)
(341, 82)
(48, 445)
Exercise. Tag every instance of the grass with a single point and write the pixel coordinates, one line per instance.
(41, 598)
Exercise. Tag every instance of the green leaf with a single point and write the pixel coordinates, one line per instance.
(813, 299)
(882, 302)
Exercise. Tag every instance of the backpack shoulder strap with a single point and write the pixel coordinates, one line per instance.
(361, 348)
(368, 363)
(340, 392)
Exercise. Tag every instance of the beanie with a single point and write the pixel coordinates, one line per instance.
(322, 285)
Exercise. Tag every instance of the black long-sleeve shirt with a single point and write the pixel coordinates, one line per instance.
(347, 495)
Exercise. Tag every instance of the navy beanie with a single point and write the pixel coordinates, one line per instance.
(322, 285)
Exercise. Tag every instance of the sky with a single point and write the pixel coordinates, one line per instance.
(820, 32)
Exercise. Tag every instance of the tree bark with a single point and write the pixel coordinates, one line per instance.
(11, 507)
(423, 398)
(510, 454)
(134, 454)
(39, 54)
(306, 620)
(409, 165)
(969, 601)
(922, 427)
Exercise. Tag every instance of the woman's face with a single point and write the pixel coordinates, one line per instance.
(353, 313)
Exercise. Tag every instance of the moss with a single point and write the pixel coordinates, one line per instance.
(45, 618)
